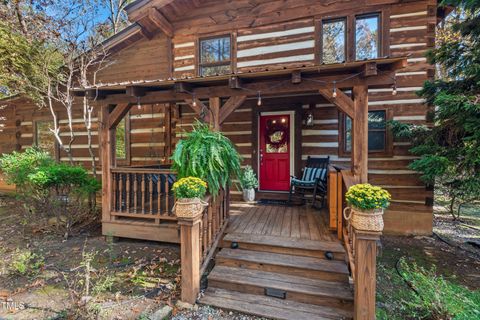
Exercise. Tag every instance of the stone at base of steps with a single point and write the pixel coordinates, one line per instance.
(269, 307)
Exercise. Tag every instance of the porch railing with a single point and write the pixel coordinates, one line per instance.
(142, 193)
(361, 246)
(199, 238)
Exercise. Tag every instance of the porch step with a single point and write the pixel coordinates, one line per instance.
(285, 245)
(284, 263)
(269, 307)
(300, 289)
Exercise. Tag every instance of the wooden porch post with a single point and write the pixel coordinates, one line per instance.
(365, 274)
(360, 133)
(215, 105)
(107, 144)
(190, 257)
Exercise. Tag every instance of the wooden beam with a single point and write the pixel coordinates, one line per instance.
(214, 116)
(197, 107)
(161, 22)
(360, 133)
(118, 114)
(235, 82)
(369, 69)
(365, 248)
(342, 101)
(169, 95)
(296, 77)
(136, 91)
(190, 257)
(230, 106)
(107, 145)
(183, 87)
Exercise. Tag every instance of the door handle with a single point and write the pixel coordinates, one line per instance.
(261, 157)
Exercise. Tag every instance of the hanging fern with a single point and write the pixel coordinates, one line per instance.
(208, 155)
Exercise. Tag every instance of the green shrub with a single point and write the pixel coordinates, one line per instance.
(437, 298)
(55, 194)
(26, 262)
(208, 155)
(248, 179)
(18, 166)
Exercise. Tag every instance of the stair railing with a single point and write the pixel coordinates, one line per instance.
(199, 239)
(361, 246)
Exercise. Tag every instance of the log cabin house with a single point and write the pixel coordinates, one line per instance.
(333, 73)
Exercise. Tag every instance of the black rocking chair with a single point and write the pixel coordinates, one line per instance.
(314, 180)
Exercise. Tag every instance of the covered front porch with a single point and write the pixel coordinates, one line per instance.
(137, 201)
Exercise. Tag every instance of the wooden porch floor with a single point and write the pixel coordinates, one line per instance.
(298, 222)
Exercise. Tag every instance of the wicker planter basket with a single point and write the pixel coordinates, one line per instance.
(365, 220)
(189, 207)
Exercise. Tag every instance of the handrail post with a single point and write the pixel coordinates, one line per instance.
(190, 257)
(365, 248)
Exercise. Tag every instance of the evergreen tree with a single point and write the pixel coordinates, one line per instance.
(449, 151)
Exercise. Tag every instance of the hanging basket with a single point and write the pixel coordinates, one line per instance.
(189, 207)
(364, 220)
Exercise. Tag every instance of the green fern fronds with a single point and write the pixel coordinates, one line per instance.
(208, 155)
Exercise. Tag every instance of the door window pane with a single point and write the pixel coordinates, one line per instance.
(367, 37)
(215, 56)
(333, 41)
(277, 136)
(44, 138)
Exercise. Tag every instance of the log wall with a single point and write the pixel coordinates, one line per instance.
(265, 38)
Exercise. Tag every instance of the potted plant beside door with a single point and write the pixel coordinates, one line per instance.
(366, 206)
(248, 182)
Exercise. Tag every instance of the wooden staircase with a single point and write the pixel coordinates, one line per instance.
(281, 278)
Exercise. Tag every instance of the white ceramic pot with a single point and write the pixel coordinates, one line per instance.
(249, 195)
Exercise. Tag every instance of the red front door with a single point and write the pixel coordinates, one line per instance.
(274, 151)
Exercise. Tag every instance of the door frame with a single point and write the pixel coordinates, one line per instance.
(295, 111)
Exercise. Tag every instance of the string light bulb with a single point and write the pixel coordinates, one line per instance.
(334, 93)
(139, 105)
(259, 100)
(194, 100)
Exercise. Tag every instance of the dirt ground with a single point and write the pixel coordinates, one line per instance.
(132, 279)
(128, 278)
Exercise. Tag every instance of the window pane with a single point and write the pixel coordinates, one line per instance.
(333, 41)
(44, 137)
(376, 140)
(121, 146)
(366, 37)
(211, 71)
(277, 136)
(348, 134)
(215, 50)
(376, 120)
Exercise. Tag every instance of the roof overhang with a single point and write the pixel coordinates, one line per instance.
(376, 73)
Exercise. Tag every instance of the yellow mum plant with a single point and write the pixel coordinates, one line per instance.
(190, 187)
(367, 197)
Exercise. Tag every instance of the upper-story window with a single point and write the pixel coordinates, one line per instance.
(350, 38)
(367, 38)
(215, 55)
(334, 38)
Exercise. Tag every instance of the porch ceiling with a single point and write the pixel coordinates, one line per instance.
(373, 73)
